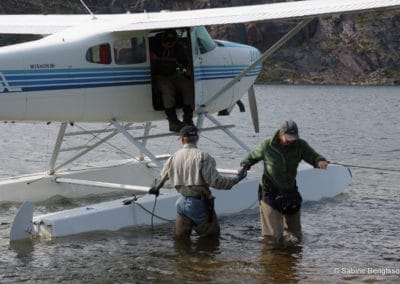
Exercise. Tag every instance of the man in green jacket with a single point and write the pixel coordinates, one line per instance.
(279, 198)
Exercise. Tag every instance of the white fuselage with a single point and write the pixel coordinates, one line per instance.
(53, 79)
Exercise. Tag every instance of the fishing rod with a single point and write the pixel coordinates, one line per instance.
(365, 167)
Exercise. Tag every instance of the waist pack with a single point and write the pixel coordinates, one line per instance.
(287, 201)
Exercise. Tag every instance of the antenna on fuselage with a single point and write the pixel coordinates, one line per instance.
(87, 8)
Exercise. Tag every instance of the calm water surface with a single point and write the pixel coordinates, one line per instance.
(351, 238)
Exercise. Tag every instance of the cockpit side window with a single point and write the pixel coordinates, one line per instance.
(130, 51)
(100, 54)
(204, 40)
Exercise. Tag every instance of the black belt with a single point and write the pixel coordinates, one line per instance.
(195, 197)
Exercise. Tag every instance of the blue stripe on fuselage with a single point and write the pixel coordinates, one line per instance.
(78, 78)
(222, 72)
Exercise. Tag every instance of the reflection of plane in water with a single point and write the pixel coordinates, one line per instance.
(97, 68)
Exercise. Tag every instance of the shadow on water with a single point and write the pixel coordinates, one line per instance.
(23, 249)
(200, 246)
(195, 259)
(216, 261)
(279, 263)
(61, 202)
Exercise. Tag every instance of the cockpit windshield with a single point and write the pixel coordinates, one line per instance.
(204, 40)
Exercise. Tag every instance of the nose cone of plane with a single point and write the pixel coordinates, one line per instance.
(254, 53)
(240, 53)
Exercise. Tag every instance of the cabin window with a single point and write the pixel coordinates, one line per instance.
(204, 40)
(100, 54)
(130, 51)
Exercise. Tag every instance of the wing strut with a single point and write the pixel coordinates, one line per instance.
(57, 147)
(102, 136)
(253, 108)
(200, 122)
(264, 56)
(87, 8)
(85, 149)
(139, 145)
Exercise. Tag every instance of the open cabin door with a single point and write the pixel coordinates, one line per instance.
(172, 65)
(199, 87)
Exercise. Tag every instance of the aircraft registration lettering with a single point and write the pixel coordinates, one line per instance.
(5, 86)
(42, 66)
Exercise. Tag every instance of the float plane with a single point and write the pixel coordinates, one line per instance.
(97, 69)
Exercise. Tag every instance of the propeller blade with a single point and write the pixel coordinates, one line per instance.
(253, 108)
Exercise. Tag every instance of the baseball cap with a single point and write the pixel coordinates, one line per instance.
(289, 128)
(189, 131)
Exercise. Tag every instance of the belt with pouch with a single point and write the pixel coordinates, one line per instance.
(195, 191)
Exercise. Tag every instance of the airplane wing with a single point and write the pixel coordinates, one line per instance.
(48, 24)
(39, 24)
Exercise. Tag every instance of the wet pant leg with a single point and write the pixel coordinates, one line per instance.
(292, 225)
(209, 228)
(271, 222)
(183, 228)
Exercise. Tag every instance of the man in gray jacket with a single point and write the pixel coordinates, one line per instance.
(192, 172)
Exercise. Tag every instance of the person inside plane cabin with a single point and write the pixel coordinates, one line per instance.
(170, 65)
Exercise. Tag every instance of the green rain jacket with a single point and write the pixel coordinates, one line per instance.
(280, 164)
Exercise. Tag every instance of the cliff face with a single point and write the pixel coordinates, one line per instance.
(349, 49)
(362, 49)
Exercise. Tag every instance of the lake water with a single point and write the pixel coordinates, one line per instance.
(351, 238)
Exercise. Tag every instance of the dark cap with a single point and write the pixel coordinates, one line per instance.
(289, 128)
(189, 131)
(170, 35)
